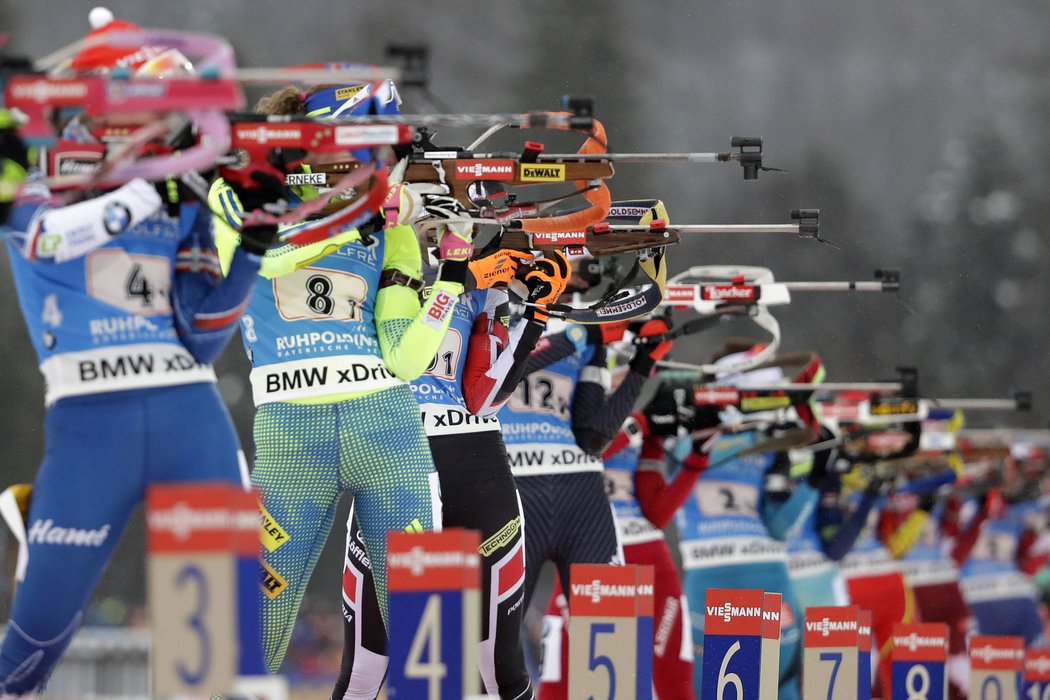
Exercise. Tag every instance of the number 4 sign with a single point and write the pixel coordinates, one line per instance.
(435, 615)
(741, 645)
(611, 632)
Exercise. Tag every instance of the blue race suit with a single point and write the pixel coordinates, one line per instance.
(125, 306)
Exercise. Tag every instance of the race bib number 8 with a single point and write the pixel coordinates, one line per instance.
(138, 284)
(320, 294)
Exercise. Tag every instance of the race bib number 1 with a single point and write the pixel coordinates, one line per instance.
(918, 661)
(611, 632)
(1037, 675)
(435, 614)
(996, 665)
(203, 545)
(741, 645)
(831, 657)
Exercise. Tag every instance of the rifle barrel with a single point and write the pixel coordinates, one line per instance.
(641, 157)
(844, 386)
(835, 286)
(275, 76)
(977, 404)
(714, 228)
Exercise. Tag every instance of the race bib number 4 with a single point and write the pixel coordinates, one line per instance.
(138, 284)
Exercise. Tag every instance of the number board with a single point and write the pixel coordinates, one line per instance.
(831, 656)
(736, 625)
(611, 631)
(919, 655)
(435, 615)
(996, 667)
(769, 678)
(864, 638)
(1037, 674)
(202, 571)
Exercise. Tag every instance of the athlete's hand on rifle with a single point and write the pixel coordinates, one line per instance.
(648, 353)
(269, 195)
(406, 203)
(14, 161)
(495, 269)
(605, 333)
(545, 279)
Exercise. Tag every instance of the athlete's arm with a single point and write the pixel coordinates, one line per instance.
(495, 358)
(659, 499)
(410, 333)
(966, 537)
(206, 304)
(596, 415)
(838, 538)
(44, 233)
(784, 508)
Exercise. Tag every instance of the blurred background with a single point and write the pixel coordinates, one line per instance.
(919, 130)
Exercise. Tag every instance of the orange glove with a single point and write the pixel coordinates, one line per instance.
(546, 279)
(605, 333)
(496, 269)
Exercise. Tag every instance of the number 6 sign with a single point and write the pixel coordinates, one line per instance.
(611, 632)
(741, 645)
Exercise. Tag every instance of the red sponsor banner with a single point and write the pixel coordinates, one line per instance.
(680, 292)
(560, 238)
(840, 411)
(204, 517)
(921, 642)
(996, 653)
(832, 626)
(715, 396)
(1037, 665)
(729, 292)
(484, 170)
(734, 612)
(864, 631)
(600, 590)
(274, 136)
(434, 561)
(772, 609)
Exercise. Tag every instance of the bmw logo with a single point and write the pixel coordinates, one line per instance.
(116, 217)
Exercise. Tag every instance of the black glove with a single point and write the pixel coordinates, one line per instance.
(927, 501)
(269, 195)
(818, 474)
(670, 407)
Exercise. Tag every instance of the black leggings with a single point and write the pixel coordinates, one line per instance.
(569, 520)
(478, 493)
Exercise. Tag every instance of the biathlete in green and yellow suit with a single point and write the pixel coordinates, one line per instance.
(334, 332)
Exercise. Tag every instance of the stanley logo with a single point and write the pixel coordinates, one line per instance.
(273, 584)
(348, 92)
(545, 172)
(271, 534)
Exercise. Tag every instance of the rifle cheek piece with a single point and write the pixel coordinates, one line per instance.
(808, 222)
(749, 153)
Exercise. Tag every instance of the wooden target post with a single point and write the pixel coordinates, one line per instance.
(919, 658)
(202, 571)
(830, 660)
(611, 631)
(741, 645)
(864, 640)
(435, 614)
(1037, 675)
(996, 667)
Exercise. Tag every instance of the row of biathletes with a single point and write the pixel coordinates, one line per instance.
(448, 406)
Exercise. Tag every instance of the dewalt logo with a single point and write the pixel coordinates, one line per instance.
(543, 172)
(273, 584)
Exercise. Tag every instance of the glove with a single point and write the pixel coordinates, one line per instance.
(497, 268)
(406, 202)
(545, 280)
(818, 474)
(927, 501)
(268, 196)
(14, 161)
(670, 407)
(606, 333)
(649, 352)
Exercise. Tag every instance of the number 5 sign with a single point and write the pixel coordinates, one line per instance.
(741, 645)
(611, 632)
(435, 616)
(199, 537)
